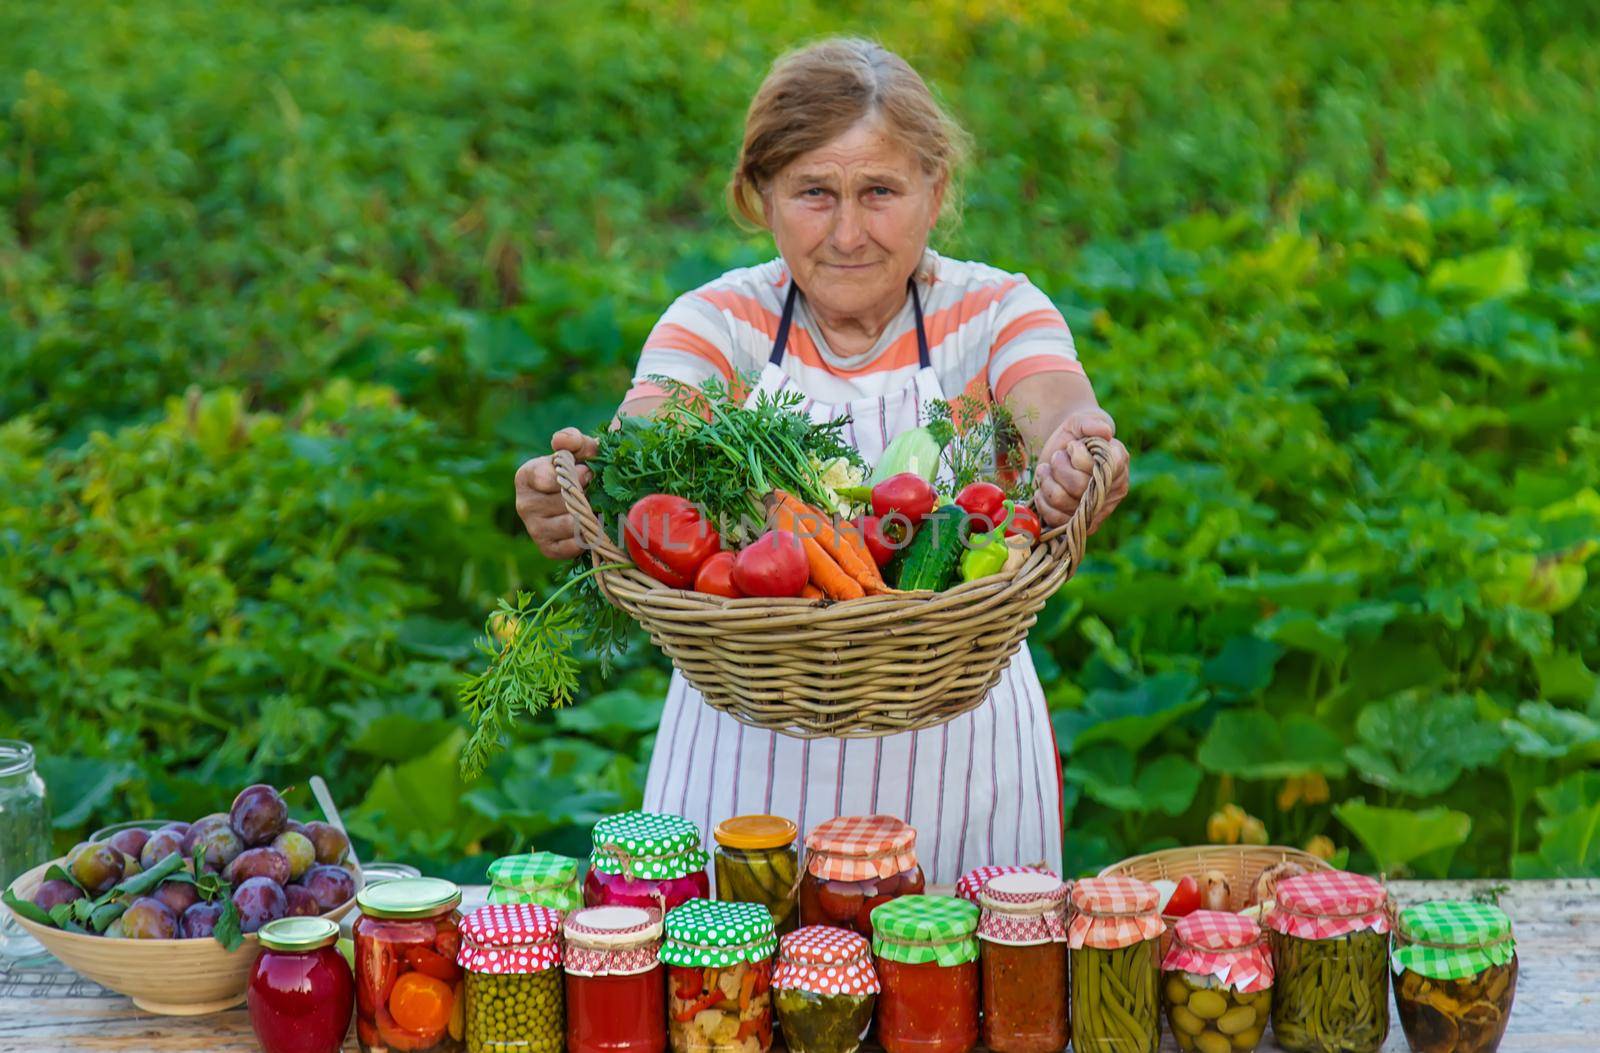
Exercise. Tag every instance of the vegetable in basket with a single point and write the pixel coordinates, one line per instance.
(775, 565)
(930, 561)
(669, 539)
(906, 494)
(917, 450)
(715, 577)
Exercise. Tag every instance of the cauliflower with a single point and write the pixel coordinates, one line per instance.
(836, 474)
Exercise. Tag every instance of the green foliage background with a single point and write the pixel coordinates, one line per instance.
(288, 290)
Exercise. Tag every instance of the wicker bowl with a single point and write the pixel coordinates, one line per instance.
(850, 669)
(172, 977)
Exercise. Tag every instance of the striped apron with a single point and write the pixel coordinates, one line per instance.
(982, 788)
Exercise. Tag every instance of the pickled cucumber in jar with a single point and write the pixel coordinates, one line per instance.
(515, 1012)
(757, 862)
(1331, 995)
(1208, 1015)
(816, 1023)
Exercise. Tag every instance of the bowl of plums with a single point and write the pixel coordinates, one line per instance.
(166, 913)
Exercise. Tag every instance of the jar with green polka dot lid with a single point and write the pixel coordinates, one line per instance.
(646, 859)
(719, 977)
(514, 1001)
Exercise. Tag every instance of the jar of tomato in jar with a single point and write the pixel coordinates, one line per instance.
(512, 955)
(1216, 982)
(301, 991)
(926, 952)
(757, 862)
(855, 863)
(1113, 940)
(408, 985)
(1023, 940)
(646, 859)
(719, 977)
(616, 987)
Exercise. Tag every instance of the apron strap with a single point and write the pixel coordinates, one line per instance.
(781, 342)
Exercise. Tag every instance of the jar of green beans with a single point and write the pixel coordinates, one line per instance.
(514, 1002)
(1330, 951)
(1114, 939)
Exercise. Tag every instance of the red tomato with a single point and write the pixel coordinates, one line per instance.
(985, 502)
(1185, 898)
(774, 565)
(716, 576)
(668, 539)
(1024, 522)
(879, 538)
(907, 493)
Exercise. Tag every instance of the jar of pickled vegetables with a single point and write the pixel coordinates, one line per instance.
(1455, 967)
(758, 862)
(926, 952)
(1022, 936)
(1114, 935)
(512, 955)
(541, 879)
(1217, 983)
(408, 986)
(719, 977)
(1330, 953)
(646, 859)
(825, 988)
(969, 884)
(853, 864)
(616, 986)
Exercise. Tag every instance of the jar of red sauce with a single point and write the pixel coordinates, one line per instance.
(646, 859)
(616, 985)
(853, 864)
(409, 989)
(926, 952)
(1022, 937)
(301, 991)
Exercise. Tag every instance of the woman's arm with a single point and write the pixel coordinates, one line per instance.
(1055, 411)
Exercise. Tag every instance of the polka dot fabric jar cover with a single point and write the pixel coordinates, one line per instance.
(647, 845)
(825, 960)
(510, 938)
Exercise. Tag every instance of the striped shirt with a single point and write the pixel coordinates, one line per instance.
(987, 330)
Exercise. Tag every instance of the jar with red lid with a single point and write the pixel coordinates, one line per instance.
(1329, 933)
(1022, 936)
(512, 956)
(409, 989)
(825, 988)
(855, 863)
(301, 991)
(1216, 981)
(1114, 941)
(925, 950)
(616, 985)
(646, 859)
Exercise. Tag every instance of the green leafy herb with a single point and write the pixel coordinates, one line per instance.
(981, 443)
(227, 930)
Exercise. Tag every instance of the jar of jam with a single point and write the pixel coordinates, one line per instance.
(758, 862)
(646, 859)
(1455, 967)
(969, 884)
(301, 991)
(825, 989)
(616, 985)
(1330, 956)
(853, 864)
(719, 977)
(1113, 939)
(408, 986)
(926, 952)
(1216, 982)
(512, 955)
(1022, 938)
(541, 879)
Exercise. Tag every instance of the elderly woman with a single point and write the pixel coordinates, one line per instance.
(847, 160)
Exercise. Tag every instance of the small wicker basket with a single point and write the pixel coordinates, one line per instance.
(852, 669)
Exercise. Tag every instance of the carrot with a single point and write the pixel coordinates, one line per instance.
(828, 575)
(810, 592)
(845, 546)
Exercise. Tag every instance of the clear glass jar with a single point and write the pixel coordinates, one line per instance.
(512, 955)
(616, 984)
(719, 977)
(1455, 975)
(409, 989)
(1022, 939)
(856, 863)
(301, 992)
(825, 988)
(1332, 995)
(646, 859)
(757, 861)
(1115, 966)
(1213, 1017)
(24, 836)
(925, 950)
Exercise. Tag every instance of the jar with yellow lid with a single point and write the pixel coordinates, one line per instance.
(757, 861)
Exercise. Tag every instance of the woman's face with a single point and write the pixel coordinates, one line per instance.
(852, 219)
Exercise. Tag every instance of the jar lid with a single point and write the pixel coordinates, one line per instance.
(1224, 945)
(533, 870)
(756, 831)
(710, 933)
(1023, 908)
(1113, 912)
(861, 847)
(612, 940)
(972, 881)
(1452, 939)
(650, 845)
(914, 930)
(510, 938)
(1329, 903)
(421, 897)
(298, 934)
(825, 960)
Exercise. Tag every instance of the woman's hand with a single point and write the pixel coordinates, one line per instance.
(1064, 466)
(539, 496)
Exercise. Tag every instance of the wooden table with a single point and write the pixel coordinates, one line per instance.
(1557, 925)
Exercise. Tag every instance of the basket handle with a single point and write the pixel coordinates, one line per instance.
(1068, 539)
(591, 532)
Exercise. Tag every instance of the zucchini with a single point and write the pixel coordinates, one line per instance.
(931, 558)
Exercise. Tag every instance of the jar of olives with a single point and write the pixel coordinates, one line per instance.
(758, 862)
(512, 955)
(543, 879)
(616, 993)
(1022, 937)
(926, 952)
(646, 859)
(825, 988)
(1114, 937)
(719, 977)
(855, 863)
(1217, 983)
(408, 985)
(1455, 967)
(1330, 952)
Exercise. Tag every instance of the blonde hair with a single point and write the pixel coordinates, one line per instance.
(816, 94)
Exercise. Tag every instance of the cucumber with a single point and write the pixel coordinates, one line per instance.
(931, 558)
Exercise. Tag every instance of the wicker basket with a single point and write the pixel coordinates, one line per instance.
(851, 669)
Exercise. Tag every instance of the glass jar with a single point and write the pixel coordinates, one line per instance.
(1330, 953)
(1455, 969)
(925, 949)
(758, 862)
(301, 991)
(855, 863)
(1022, 937)
(408, 986)
(512, 955)
(1115, 936)
(24, 837)
(616, 985)
(825, 988)
(646, 859)
(719, 977)
(541, 879)
(1217, 983)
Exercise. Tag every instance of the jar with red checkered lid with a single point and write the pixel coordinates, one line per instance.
(1114, 936)
(1022, 938)
(1217, 982)
(825, 988)
(1330, 954)
(853, 864)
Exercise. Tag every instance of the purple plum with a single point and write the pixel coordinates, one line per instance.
(330, 884)
(259, 900)
(199, 920)
(258, 815)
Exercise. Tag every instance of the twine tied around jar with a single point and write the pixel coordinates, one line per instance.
(625, 859)
(1411, 941)
(1386, 908)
